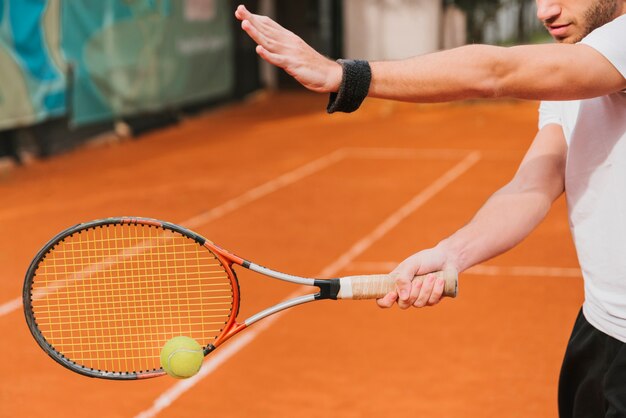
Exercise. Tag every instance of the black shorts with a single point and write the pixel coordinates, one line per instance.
(593, 376)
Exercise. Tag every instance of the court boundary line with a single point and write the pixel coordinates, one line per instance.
(10, 306)
(482, 270)
(289, 178)
(237, 202)
(214, 362)
(401, 214)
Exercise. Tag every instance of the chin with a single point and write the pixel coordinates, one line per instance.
(571, 39)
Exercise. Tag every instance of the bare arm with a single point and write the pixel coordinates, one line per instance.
(545, 72)
(509, 215)
(514, 211)
(538, 72)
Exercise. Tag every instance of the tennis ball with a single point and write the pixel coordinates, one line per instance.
(181, 357)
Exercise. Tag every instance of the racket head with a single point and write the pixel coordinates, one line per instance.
(103, 297)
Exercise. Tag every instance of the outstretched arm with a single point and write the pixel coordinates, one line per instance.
(509, 215)
(543, 72)
(535, 72)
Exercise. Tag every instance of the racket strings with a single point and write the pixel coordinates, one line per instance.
(108, 298)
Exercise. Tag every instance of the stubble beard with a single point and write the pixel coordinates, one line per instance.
(599, 14)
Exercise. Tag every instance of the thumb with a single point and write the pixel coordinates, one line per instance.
(403, 278)
(404, 274)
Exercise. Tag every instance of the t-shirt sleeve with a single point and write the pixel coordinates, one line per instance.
(550, 112)
(610, 41)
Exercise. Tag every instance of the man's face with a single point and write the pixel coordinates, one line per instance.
(569, 21)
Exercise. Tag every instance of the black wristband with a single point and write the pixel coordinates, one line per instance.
(355, 84)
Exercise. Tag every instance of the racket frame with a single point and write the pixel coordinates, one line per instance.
(328, 289)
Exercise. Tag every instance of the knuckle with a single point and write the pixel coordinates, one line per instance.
(402, 279)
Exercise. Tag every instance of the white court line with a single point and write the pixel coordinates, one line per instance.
(265, 189)
(407, 153)
(481, 270)
(286, 180)
(10, 306)
(236, 203)
(406, 210)
(529, 271)
(214, 361)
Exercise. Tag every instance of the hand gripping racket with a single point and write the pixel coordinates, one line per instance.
(103, 297)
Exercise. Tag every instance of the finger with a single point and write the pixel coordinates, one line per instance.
(388, 300)
(258, 21)
(270, 24)
(403, 286)
(253, 32)
(241, 13)
(415, 287)
(274, 59)
(425, 292)
(435, 297)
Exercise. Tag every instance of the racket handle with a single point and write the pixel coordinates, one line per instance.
(376, 286)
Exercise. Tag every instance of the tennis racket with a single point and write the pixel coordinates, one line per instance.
(103, 297)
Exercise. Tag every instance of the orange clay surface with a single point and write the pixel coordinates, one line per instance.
(495, 351)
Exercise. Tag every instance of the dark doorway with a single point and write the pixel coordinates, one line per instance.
(247, 76)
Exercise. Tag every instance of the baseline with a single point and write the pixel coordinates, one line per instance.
(483, 270)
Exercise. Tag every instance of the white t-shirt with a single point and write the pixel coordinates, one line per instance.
(595, 185)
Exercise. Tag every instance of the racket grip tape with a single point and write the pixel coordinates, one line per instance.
(376, 286)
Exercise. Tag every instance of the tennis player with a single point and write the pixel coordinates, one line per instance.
(580, 149)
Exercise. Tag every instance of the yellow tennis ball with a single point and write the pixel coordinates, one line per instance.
(181, 357)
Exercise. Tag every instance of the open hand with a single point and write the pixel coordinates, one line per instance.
(286, 50)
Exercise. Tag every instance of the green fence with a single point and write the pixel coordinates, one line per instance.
(98, 60)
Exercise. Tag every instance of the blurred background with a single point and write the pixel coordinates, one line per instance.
(80, 70)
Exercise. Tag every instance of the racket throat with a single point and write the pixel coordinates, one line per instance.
(208, 349)
(226, 335)
(329, 289)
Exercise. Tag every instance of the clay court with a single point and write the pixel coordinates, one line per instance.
(280, 182)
